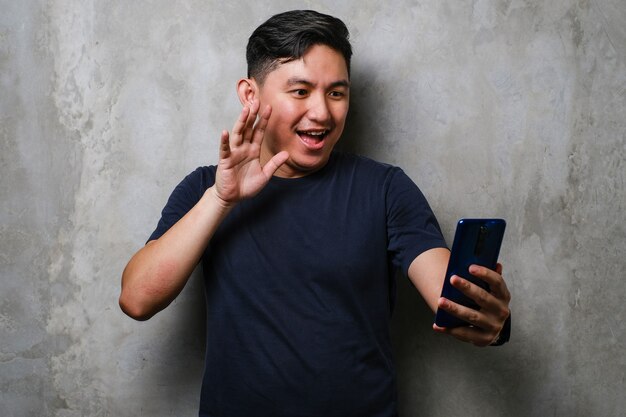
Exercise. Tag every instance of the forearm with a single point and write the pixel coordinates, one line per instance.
(158, 272)
(427, 273)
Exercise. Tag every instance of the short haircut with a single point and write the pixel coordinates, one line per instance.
(288, 36)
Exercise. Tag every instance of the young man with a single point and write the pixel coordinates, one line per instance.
(299, 244)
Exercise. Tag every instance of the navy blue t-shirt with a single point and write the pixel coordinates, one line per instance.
(300, 286)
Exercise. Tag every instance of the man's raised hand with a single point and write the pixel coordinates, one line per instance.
(240, 174)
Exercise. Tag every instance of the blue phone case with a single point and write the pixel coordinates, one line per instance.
(476, 241)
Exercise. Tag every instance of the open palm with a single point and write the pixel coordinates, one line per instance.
(240, 174)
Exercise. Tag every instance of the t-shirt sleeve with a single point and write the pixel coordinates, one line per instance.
(412, 227)
(183, 198)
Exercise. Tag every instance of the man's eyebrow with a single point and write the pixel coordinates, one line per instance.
(295, 81)
(302, 81)
(341, 83)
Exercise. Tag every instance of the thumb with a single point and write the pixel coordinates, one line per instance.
(273, 164)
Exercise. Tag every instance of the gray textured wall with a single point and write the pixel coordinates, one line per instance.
(512, 108)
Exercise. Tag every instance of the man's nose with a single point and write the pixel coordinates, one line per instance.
(319, 110)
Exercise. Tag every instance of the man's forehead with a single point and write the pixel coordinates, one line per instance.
(297, 70)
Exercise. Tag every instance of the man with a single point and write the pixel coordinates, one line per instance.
(299, 244)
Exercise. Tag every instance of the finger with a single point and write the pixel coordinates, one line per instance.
(224, 145)
(503, 287)
(486, 274)
(479, 295)
(240, 126)
(496, 283)
(473, 317)
(472, 335)
(467, 334)
(493, 309)
(249, 126)
(273, 164)
(259, 129)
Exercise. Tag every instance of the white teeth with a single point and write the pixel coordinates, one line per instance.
(315, 133)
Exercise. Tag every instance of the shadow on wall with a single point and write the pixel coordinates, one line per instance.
(362, 133)
(179, 351)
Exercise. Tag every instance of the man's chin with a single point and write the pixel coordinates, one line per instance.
(301, 167)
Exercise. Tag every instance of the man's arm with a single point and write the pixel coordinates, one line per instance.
(157, 273)
(427, 273)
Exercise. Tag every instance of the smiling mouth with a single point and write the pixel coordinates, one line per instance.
(313, 138)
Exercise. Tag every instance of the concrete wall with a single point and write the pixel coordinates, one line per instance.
(512, 108)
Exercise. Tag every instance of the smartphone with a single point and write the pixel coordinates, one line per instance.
(476, 242)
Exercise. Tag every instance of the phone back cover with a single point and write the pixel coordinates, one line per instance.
(476, 241)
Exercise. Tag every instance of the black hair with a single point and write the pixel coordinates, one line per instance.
(288, 36)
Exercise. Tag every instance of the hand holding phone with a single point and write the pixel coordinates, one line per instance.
(476, 242)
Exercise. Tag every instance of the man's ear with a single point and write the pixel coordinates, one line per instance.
(247, 91)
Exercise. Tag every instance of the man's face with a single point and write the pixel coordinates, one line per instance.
(309, 99)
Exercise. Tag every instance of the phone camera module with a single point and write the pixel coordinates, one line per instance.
(480, 242)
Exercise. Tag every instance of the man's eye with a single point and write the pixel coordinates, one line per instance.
(300, 92)
(337, 94)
